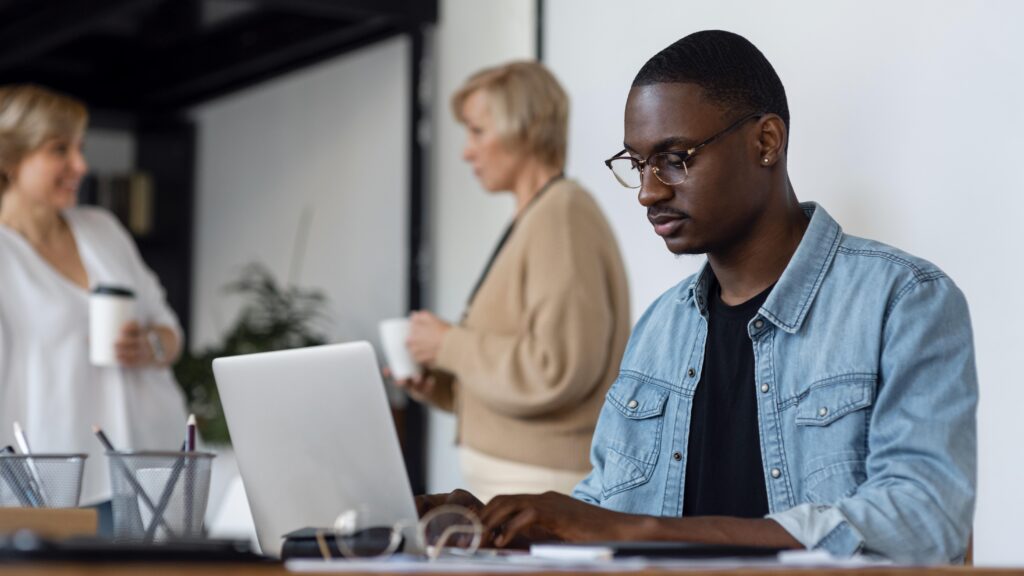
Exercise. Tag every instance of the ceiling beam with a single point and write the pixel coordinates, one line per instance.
(416, 11)
(145, 56)
(238, 66)
(58, 23)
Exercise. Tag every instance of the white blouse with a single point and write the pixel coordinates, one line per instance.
(46, 379)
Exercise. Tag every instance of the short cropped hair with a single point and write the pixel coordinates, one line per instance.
(731, 70)
(529, 107)
(29, 116)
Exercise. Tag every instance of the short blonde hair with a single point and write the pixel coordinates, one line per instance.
(29, 116)
(529, 106)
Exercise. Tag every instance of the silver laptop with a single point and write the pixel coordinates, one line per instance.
(314, 438)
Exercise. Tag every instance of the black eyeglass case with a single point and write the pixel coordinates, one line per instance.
(367, 543)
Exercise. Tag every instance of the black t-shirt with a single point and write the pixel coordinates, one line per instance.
(724, 472)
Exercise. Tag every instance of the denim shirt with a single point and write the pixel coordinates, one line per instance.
(866, 397)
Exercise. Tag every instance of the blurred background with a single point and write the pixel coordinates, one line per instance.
(292, 172)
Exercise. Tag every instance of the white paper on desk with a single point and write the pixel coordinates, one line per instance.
(524, 563)
(823, 559)
(404, 565)
(521, 564)
(491, 564)
(571, 553)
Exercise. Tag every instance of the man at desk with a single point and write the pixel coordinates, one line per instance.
(805, 389)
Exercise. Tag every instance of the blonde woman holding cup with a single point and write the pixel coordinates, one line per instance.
(527, 368)
(56, 258)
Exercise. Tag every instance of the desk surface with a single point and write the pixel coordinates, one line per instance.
(69, 569)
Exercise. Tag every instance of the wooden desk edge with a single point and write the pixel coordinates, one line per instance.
(162, 569)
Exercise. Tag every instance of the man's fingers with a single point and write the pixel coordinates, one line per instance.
(426, 502)
(519, 523)
(496, 513)
(423, 504)
(465, 499)
(494, 518)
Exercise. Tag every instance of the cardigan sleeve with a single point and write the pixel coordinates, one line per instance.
(559, 353)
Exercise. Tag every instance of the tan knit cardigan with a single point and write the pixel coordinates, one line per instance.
(527, 370)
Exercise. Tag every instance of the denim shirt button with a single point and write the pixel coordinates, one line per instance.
(632, 404)
(776, 472)
(691, 372)
(764, 388)
(823, 411)
(758, 324)
(677, 456)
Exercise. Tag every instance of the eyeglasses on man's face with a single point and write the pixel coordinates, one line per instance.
(668, 167)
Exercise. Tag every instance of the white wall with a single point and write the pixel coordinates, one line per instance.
(330, 141)
(906, 123)
(466, 221)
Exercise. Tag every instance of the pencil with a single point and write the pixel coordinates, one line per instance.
(139, 491)
(190, 433)
(190, 472)
(165, 496)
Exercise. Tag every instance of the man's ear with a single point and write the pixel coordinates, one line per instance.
(771, 139)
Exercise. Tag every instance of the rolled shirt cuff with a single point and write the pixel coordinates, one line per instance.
(820, 527)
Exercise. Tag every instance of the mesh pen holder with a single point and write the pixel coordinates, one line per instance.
(159, 496)
(41, 480)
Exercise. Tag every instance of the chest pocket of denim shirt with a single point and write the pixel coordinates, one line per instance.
(833, 422)
(638, 410)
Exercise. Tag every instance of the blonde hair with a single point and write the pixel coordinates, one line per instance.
(29, 116)
(529, 106)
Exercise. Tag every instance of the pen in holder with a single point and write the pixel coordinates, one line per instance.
(40, 480)
(159, 495)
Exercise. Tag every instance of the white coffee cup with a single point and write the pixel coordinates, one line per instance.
(393, 334)
(110, 308)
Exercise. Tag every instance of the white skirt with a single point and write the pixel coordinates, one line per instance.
(487, 476)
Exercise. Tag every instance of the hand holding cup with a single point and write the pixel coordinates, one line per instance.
(418, 387)
(132, 348)
(426, 334)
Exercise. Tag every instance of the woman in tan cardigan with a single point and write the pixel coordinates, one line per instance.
(527, 368)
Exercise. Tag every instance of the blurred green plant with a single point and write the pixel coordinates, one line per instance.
(273, 317)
